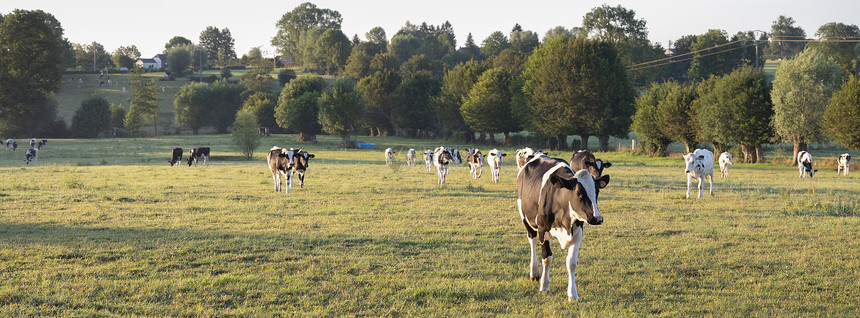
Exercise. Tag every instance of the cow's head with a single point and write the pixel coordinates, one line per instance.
(693, 161)
(445, 157)
(580, 194)
(454, 153)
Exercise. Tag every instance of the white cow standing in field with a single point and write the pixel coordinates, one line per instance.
(494, 159)
(700, 165)
(725, 162)
(843, 164)
(428, 159)
(389, 156)
(804, 164)
(410, 157)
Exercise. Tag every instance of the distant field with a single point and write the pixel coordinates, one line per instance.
(105, 227)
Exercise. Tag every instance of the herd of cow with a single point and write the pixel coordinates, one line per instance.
(193, 156)
(32, 154)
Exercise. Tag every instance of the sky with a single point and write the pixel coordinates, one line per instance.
(150, 24)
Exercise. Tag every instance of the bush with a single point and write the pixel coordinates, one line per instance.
(245, 137)
(93, 117)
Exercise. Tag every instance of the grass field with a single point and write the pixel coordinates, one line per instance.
(105, 227)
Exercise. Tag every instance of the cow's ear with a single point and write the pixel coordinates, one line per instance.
(607, 164)
(557, 182)
(310, 155)
(603, 181)
(504, 154)
(701, 157)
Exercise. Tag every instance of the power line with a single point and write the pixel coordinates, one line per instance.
(685, 54)
(642, 67)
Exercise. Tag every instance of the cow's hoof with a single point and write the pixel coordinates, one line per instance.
(573, 299)
(535, 278)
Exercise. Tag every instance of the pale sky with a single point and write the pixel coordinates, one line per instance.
(150, 24)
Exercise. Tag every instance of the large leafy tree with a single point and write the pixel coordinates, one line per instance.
(144, 98)
(524, 41)
(738, 109)
(842, 118)
(456, 85)
(648, 122)
(258, 80)
(494, 44)
(705, 64)
(189, 106)
(298, 107)
(262, 105)
(302, 18)
(836, 40)
(801, 88)
(125, 56)
(176, 41)
(179, 58)
(404, 45)
(218, 45)
(225, 99)
(411, 104)
(86, 55)
(785, 38)
(244, 136)
(376, 89)
(92, 117)
(332, 50)
(620, 27)
(681, 64)
(341, 110)
(31, 70)
(678, 115)
(488, 107)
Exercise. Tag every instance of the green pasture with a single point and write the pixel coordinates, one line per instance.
(106, 228)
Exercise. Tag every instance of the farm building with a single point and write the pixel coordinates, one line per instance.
(159, 61)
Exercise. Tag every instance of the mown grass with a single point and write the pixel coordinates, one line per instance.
(105, 227)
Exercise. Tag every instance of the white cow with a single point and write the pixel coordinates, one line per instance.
(389, 156)
(476, 163)
(494, 159)
(523, 156)
(32, 155)
(410, 157)
(10, 143)
(700, 165)
(441, 159)
(725, 162)
(843, 164)
(428, 159)
(804, 164)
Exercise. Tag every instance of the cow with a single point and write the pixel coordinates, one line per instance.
(441, 159)
(410, 157)
(32, 142)
(584, 159)
(455, 155)
(389, 156)
(700, 165)
(843, 164)
(428, 160)
(804, 164)
(198, 152)
(555, 201)
(43, 143)
(300, 165)
(524, 155)
(32, 155)
(281, 163)
(494, 159)
(176, 157)
(725, 162)
(476, 163)
(11, 144)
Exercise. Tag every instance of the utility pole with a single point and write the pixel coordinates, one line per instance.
(94, 58)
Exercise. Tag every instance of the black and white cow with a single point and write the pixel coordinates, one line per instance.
(31, 155)
(428, 159)
(32, 142)
(475, 159)
(389, 156)
(43, 143)
(494, 159)
(281, 164)
(441, 159)
(555, 202)
(804, 164)
(700, 165)
(11, 144)
(300, 165)
(584, 159)
(410, 157)
(524, 155)
(176, 157)
(843, 164)
(726, 160)
(455, 155)
(198, 152)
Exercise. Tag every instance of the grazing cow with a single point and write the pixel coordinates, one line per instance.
(43, 143)
(494, 159)
(441, 159)
(455, 155)
(410, 157)
(700, 165)
(804, 164)
(843, 164)
(11, 144)
(281, 164)
(523, 156)
(555, 202)
(428, 159)
(197, 153)
(584, 159)
(300, 165)
(32, 154)
(176, 157)
(725, 162)
(389, 156)
(476, 163)
(32, 142)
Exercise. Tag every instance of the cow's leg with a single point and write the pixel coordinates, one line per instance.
(481, 172)
(546, 260)
(301, 179)
(534, 266)
(701, 185)
(206, 160)
(572, 256)
(277, 180)
(711, 180)
(689, 184)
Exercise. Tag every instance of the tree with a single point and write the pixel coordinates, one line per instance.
(262, 105)
(647, 122)
(738, 110)
(487, 108)
(494, 44)
(176, 41)
(31, 70)
(411, 104)
(681, 64)
(376, 90)
(285, 76)
(144, 97)
(844, 52)
(331, 50)
(554, 32)
(341, 109)
(704, 64)
(218, 44)
(179, 58)
(125, 56)
(801, 89)
(358, 64)
(420, 64)
(782, 32)
(620, 27)
(524, 41)
(677, 115)
(456, 85)
(298, 107)
(302, 18)
(117, 114)
(85, 55)
(225, 99)
(189, 106)
(244, 136)
(377, 40)
(404, 46)
(258, 80)
(92, 117)
(842, 118)
(470, 46)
